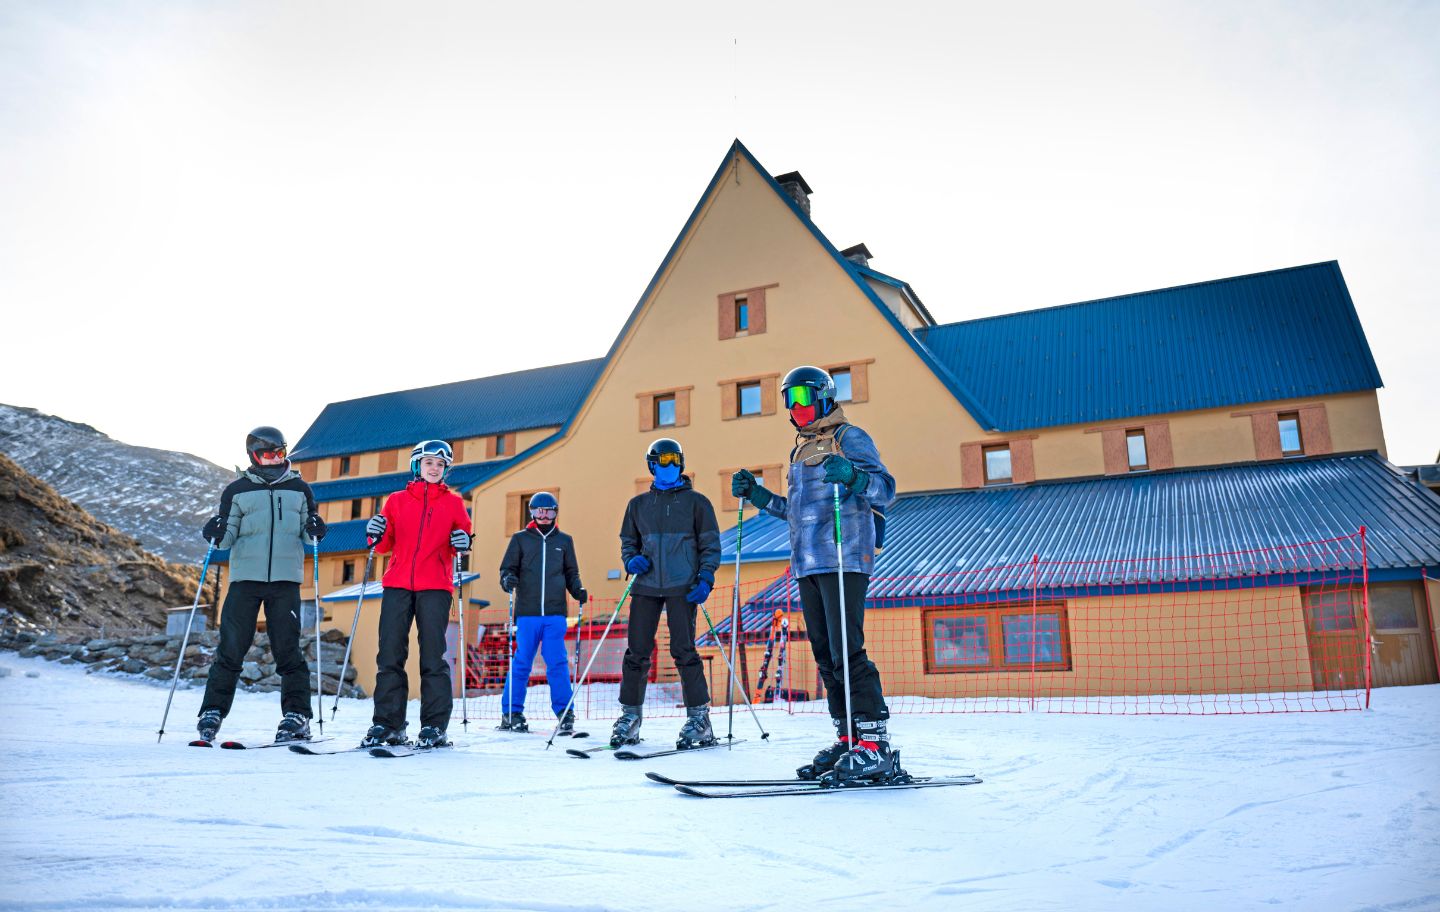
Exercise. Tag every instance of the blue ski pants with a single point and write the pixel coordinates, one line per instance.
(548, 635)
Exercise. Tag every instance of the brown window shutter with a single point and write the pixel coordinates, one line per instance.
(647, 412)
(757, 311)
(306, 470)
(729, 401)
(1315, 431)
(727, 316)
(682, 408)
(513, 503)
(457, 451)
(1158, 452)
(1266, 428)
(510, 446)
(335, 467)
(859, 383)
(1022, 461)
(972, 466)
(768, 394)
(490, 446)
(338, 575)
(1117, 453)
(389, 461)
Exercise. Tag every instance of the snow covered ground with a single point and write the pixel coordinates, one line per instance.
(1315, 811)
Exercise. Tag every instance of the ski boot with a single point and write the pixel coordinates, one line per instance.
(514, 722)
(825, 760)
(431, 737)
(627, 727)
(697, 731)
(380, 736)
(294, 727)
(567, 723)
(870, 759)
(209, 724)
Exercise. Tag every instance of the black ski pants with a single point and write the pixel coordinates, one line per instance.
(820, 601)
(429, 610)
(237, 634)
(644, 621)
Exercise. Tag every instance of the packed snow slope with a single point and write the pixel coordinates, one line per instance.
(1321, 811)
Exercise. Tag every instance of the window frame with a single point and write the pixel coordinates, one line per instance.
(742, 315)
(740, 388)
(355, 503)
(344, 466)
(656, 402)
(1280, 419)
(1131, 466)
(995, 616)
(985, 450)
(849, 381)
(347, 572)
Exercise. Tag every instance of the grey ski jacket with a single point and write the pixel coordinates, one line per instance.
(265, 527)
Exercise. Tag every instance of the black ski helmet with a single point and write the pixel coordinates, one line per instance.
(264, 438)
(543, 500)
(663, 445)
(817, 380)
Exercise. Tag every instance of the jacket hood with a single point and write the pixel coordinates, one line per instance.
(284, 473)
(825, 425)
(416, 488)
(554, 527)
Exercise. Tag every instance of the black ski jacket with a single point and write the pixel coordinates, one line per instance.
(545, 568)
(677, 531)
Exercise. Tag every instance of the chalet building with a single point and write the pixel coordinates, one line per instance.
(1238, 414)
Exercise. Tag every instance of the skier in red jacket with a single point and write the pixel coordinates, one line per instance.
(423, 527)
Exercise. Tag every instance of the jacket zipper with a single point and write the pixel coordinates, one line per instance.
(270, 558)
(544, 541)
(424, 515)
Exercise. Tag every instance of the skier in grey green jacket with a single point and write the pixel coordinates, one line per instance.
(267, 516)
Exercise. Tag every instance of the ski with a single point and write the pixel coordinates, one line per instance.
(916, 783)
(587, 752)
(305, 750)
(241, 745)
(405, 750)
(761, 783)
(625, 754)
(201, 742)
(572, 735)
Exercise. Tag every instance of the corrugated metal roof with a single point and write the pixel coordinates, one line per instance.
(541, 397)
(1285, 334)
(461, 478)
(373, 590)
(1242, 520)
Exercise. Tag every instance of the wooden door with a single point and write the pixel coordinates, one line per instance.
(1333, 631)
(1400, 636)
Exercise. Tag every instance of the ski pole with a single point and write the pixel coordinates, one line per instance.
(731, 669)
(320, 682)
(185, 641)
(507, 693)
(579, 623)
(460, 599)
(359, 600)
(734, 622)
(844, 639)
(593, 655)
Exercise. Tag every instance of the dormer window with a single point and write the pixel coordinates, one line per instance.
(997, 464)
(1291, 443)
(1136, 454)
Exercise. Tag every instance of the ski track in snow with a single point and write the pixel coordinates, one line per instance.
(1313, 811)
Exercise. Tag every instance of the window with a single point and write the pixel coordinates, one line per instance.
(499, 444)
(1135, 450)
(742, 315)
(844, 391)
(665, 410)
(1290, 442)
(1013, 638)
(1331, 610)
(749, 398)
(997, 464)
(1393, 608)
(344, 465)
(354, 509)
(347, 573)
(375, 504)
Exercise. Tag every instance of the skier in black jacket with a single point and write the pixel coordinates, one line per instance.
(670, 541)
(538, 568)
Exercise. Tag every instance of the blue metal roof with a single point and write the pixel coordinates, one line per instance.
(462, 478)
(373, 591)
(541, 397)
(1285, 334)
(950, 547)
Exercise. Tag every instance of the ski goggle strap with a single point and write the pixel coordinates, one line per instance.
(799, 395)
(669, 459)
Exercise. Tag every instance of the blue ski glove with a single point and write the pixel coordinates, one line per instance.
(214, 530)
(701, 590)
(841, 471)
(315, 526)
(744, 484)
(460, 540)
(375, 529)
(639, 565)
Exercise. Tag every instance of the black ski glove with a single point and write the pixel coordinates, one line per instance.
(508, 581)
(375, 529)
(583, 597)
(214, 530)
(315, 526)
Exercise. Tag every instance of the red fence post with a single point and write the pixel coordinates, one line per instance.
(1365, 611)
(1034, 619)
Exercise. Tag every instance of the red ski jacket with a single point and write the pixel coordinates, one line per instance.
(418, 523)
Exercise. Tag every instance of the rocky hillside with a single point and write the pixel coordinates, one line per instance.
(62, 568)
(160, 497)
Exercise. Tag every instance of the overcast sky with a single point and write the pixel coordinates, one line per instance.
(214, 216)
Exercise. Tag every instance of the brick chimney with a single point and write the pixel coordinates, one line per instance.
(795, 185)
